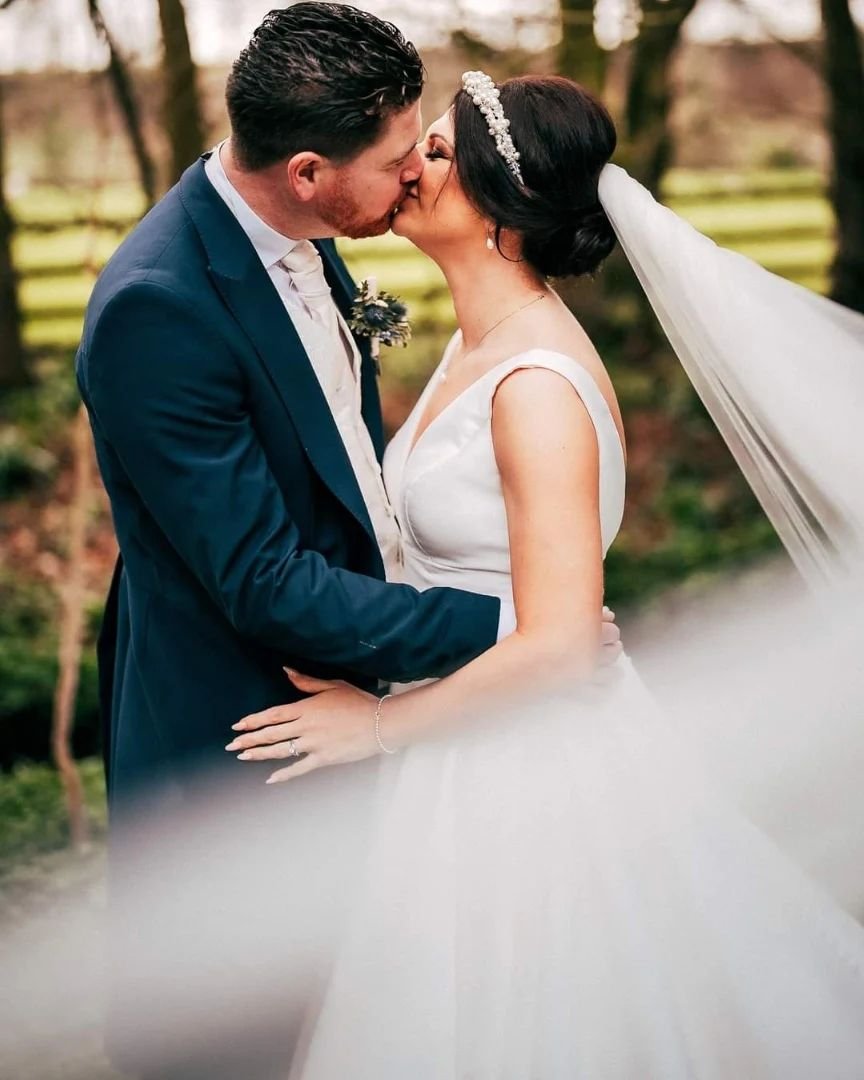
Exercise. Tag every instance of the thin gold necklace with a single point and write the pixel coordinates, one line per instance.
(494, 326)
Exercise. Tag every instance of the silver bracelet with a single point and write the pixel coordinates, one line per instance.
(384, 749)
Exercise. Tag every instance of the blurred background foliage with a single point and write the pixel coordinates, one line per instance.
(752, 131)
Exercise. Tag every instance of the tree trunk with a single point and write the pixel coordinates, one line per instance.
(579, 55)
(649, 93)
(13, 362)
(124, 94)
(182, 106)
(646, 151)
(844, 74)
(72, 633)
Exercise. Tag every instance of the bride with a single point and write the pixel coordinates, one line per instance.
(562, 894)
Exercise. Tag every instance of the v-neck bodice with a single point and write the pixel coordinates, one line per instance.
(446, 490)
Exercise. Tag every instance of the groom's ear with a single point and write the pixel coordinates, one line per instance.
(304, 174)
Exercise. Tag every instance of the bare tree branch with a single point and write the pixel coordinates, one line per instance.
(124, 94)
(72, 634)
(805, 51)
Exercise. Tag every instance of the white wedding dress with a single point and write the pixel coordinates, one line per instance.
(563, 895)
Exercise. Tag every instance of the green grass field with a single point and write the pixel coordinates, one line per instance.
(780, 219)
(35, 828)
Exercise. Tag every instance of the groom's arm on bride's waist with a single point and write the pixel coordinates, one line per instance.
(167, 395)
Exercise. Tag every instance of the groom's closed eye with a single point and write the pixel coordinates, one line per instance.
(401, 161)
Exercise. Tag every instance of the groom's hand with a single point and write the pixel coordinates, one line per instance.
(610, 641)
(608, 672)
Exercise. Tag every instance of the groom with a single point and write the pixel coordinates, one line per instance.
(237, 422)
(238, 427)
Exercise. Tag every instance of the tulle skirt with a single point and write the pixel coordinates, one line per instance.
(564, 895)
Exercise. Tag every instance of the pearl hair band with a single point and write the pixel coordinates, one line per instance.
(486, 96)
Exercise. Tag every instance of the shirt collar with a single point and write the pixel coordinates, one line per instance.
(270, 246)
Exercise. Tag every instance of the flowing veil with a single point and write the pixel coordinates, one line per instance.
(775, 694)
(779, 368)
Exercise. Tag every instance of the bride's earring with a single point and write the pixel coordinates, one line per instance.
(490, 243)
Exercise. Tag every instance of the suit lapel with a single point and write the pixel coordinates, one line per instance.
(249, 293)
(343, 287)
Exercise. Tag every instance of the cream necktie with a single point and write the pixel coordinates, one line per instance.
(333, 361)
(304, 265)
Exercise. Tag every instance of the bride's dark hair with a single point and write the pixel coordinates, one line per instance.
(564, 136)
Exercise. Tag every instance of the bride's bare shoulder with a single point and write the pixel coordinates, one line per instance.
(558, 331)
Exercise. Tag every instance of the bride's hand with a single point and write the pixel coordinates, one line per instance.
(333, 727)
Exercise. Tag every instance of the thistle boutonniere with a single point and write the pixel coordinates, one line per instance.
(381, 317)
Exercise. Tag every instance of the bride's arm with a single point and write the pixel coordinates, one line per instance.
(546, 450)
(547, 455)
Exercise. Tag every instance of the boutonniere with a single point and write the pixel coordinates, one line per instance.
(381, 317)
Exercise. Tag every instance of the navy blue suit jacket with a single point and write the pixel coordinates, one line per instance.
(245, 542)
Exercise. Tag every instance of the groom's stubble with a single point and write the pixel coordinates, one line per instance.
(345, 214)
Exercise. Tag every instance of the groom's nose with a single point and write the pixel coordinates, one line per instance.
(412, 170)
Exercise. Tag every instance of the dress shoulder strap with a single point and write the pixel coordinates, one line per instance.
(579, 378)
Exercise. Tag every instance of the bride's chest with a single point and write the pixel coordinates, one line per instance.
(446, 489)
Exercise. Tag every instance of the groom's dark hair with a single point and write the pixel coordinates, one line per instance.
(320, 77)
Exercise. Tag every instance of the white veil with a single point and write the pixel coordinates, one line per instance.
(781, 371)
(779, 368)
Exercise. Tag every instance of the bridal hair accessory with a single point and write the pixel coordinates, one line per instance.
(486, 96)
(379, 316)
(384, 749)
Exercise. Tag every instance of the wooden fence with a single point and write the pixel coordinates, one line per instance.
(782, 220)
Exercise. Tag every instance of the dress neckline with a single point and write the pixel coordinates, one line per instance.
(414, 437)
(415, 440)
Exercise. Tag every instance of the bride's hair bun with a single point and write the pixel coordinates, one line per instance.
(572, 247)
(564, 136)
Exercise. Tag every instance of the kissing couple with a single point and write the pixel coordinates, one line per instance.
(547, 890)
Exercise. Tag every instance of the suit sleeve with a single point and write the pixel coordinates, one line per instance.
(170, 398)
